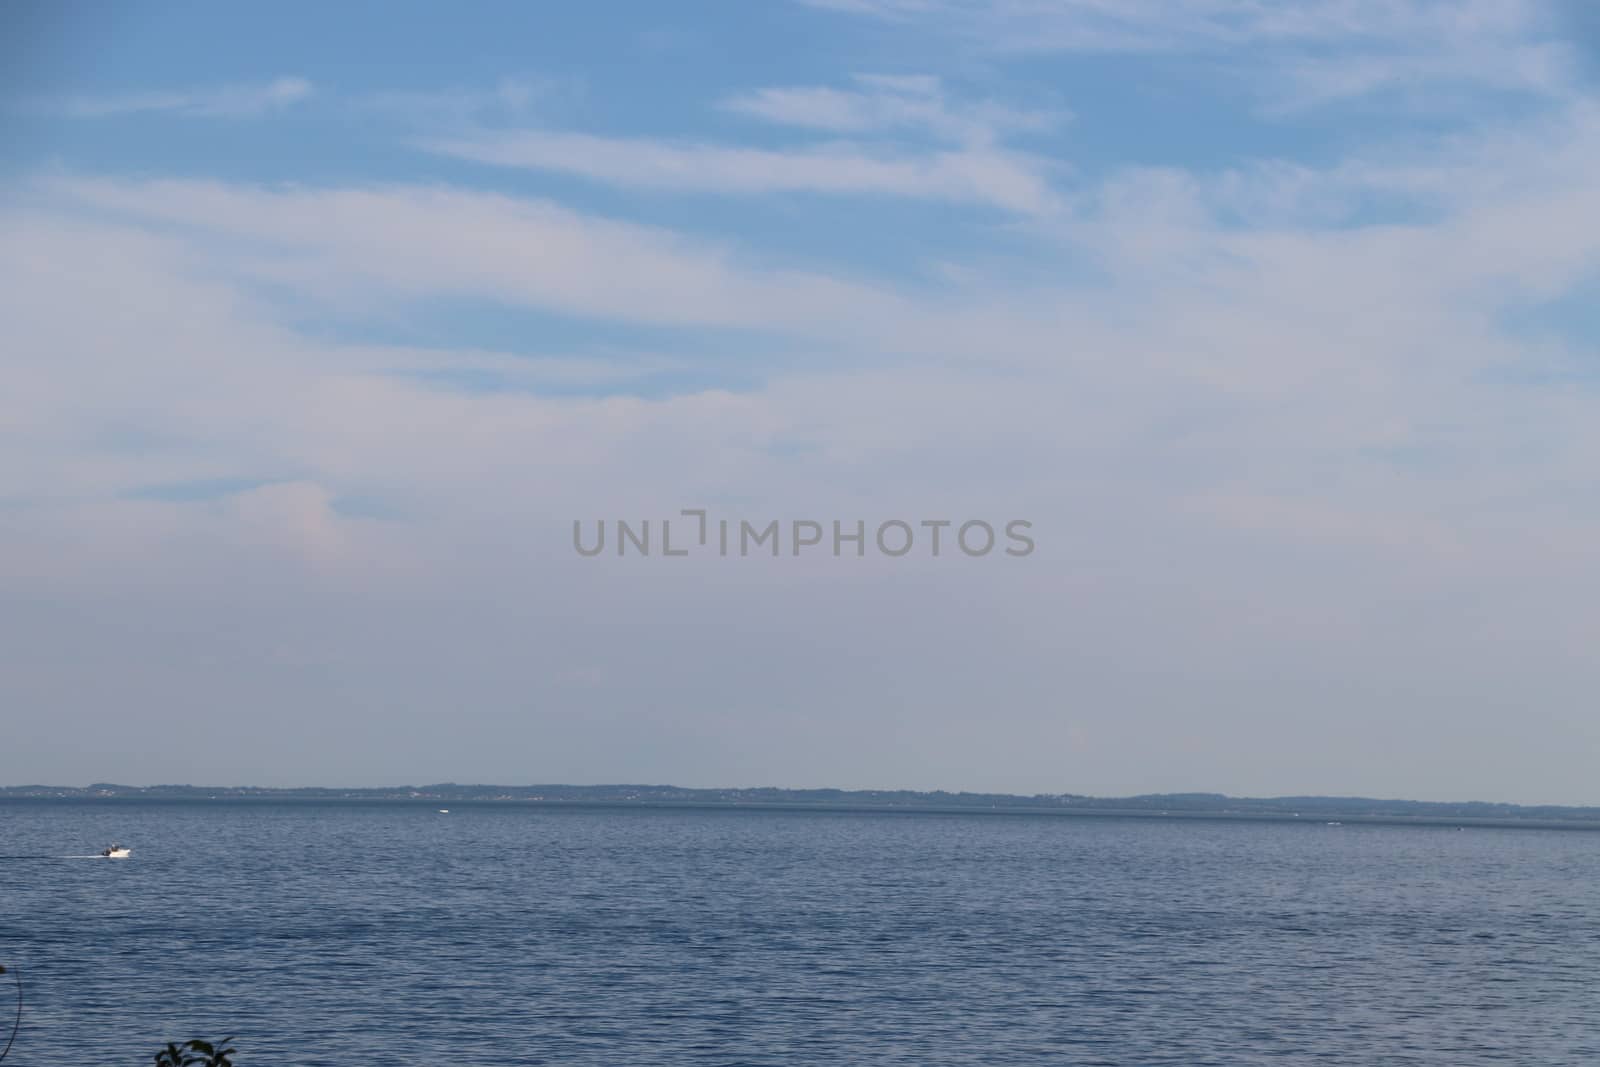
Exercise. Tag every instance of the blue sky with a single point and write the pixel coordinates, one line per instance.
(1276, 320)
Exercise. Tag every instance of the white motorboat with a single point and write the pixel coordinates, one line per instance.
(116, 852)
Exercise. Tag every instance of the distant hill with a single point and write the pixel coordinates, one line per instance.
(1175, 805)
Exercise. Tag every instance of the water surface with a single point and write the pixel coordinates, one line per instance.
(386, 933)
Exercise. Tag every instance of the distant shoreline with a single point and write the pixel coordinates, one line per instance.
(1213, 806)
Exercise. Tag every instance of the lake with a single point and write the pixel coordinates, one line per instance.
(387, 933)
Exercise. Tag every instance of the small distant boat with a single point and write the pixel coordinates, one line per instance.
(444, 811)
(116, 852)
(1336, 824)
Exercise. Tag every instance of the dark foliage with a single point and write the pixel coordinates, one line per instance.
(196, 1053)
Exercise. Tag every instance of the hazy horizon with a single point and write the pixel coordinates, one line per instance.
(1275, 326)
(748, 787)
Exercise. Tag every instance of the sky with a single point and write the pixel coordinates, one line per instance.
(1276, 323)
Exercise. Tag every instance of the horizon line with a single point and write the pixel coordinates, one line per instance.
(1033, 798)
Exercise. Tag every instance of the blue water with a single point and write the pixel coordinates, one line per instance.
(388, 934)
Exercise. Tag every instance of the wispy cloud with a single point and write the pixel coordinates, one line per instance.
(338, 243)
(1094, 25)
(897, 135)
(1298, 54)
(222, 102)
(882, 103)
(510, 99)
(1007, 180)
(1429, 74)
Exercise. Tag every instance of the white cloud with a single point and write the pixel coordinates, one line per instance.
(1299, 55)
(509, 99)
(227, 102)
(1190, 24)
(889, 121)
(890, 103)
(336, 244)
(1212, 426)
(993, 177)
